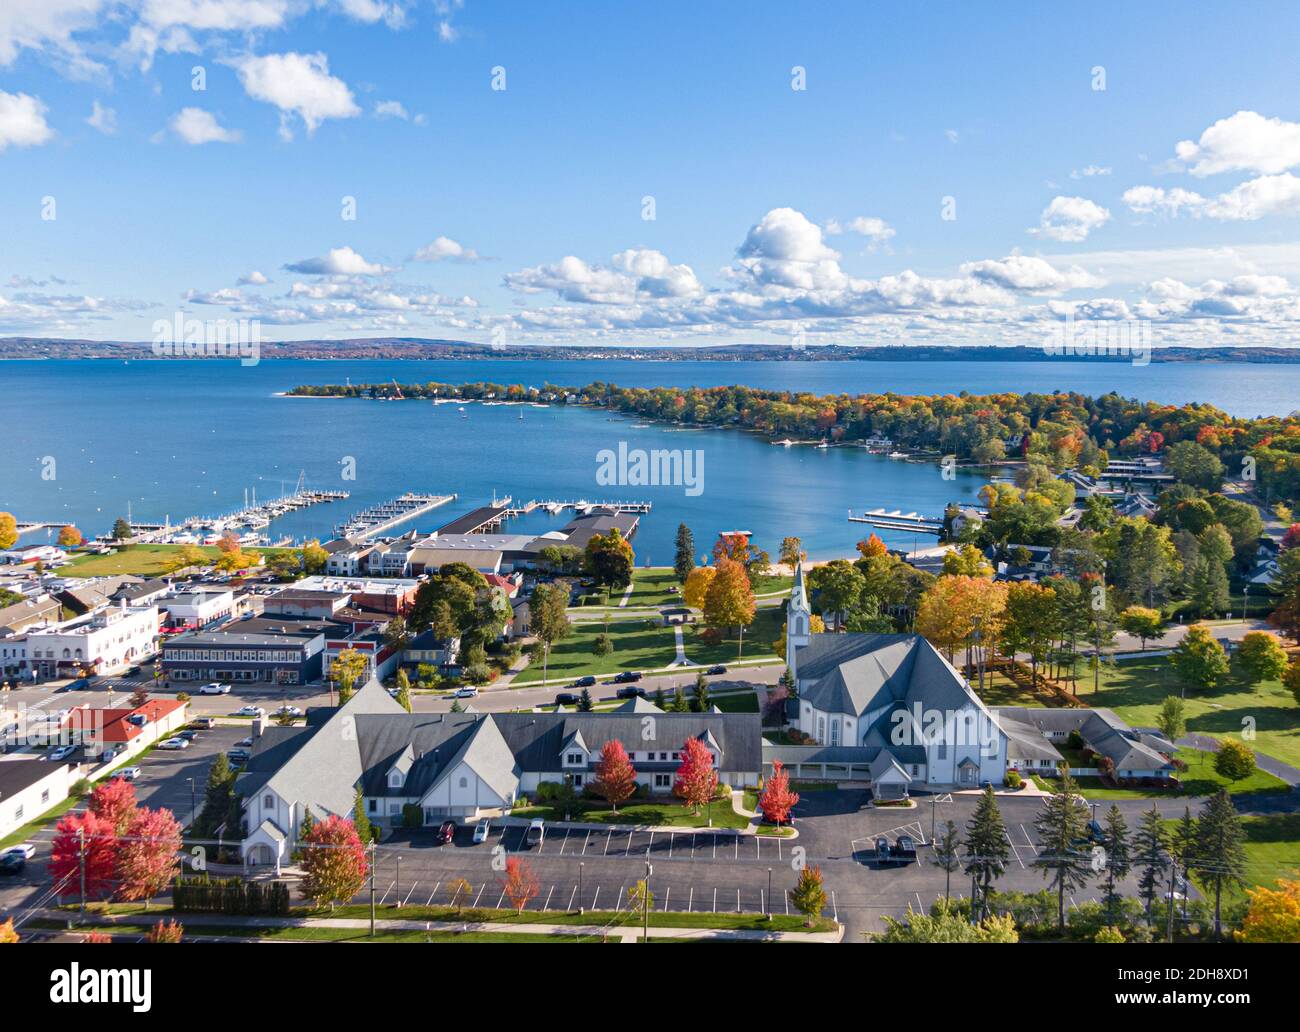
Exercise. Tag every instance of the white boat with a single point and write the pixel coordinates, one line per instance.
(822, 445)
(785, 443)
(897, 455)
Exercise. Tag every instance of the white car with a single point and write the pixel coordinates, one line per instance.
(128, 773)
(250, 711)
(215, 688)
(63, 752)
(481, 830)
(466, 692)
(289, 711)
(173, 743)
(24, 849)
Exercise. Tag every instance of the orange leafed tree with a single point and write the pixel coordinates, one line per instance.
(114, 801)
(696, 780)
(70, 537)
(519, 884)
(615, 775)
(947, 612)
(165, 931)
(147, 860)
(1274, 914)
(777, 800)
(696, 587)
(872, 547)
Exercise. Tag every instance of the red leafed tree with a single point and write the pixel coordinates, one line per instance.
(100, 856)
(165, 931)
(519, 883)
(148, 858)
(114, 800)
(615, 775)
(1292, 536)
(777, 800)
(334, 862)
(697, 781)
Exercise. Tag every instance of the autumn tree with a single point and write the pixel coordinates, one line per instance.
(872, 547)
(953, 607)
(1273, 915)
(165, 931)
(1142, 623)
(791, 553)
(7, 933)
(609, 559)
(615, 779)
(548, 618)
(345, 670)
(1031, 622)
(777, 800)
(147, 859)
(83, 837)
(1261, 656)
(1234, 760)
(114, 801)
(729, 601)
(696, 588)
(313, 557)
(334, 862)
(403, 695)
(8, 530)
(519, 883)
(696, 782)
(966, 561)
(1198, 659)
(70, 537)
(809, 895)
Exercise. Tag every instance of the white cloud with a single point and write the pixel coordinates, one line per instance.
(1246, 141)
(874, 229)
(1088, 171)
(785, 250)
(46, 25)
(391, 109)
(952, 135)
(339, 261)
(22, 121)
(1245, 202)
(297, 84)
(102, 118)
(196, 126)
(1029, 274)
(1155, 200)
(1070, 219)
(371, 11)
(253, 279)
(444, 248)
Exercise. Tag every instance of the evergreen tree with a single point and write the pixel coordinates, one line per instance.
(1220, 853)
(121, 529)
(680, 705)
(946, 849)
(1060, 824)
(701, 703)
(216, 798)
(361, 821)
(404, 690)
(1149, 849)
(660, 701)
(1118, 860)
(987, 848)
(684, 557)
(584, 701)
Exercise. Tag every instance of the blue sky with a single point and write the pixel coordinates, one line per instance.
(815, 214)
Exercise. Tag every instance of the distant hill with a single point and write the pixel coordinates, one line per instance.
(424, 348)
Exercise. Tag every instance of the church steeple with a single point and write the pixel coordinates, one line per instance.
(798, 622)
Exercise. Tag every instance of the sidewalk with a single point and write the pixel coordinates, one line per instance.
(622, 931)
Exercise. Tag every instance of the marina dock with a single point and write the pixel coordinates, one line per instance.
(379, 519)
(583, 506)
(910, 522)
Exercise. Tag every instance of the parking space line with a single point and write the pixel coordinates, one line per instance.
(1028, 840)
(651, 844)
(572, 896)
(409, 894)
(737, 847)
(835, 910)
(667, 890)
(918, 902)
(672, 838)
(433, 893)
(584, 843)
(386, 892)
(629, 841)
(547, 904)
(480, 893)
(715, 899)
(690, 900)
(500, 898)
(595, 897)
(1014, 851)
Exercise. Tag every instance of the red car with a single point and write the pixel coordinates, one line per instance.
(446, 832)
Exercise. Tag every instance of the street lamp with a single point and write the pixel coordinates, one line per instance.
(193, 803)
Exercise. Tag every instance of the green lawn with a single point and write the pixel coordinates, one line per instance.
(650, 587)
(758, 639)
(317, 934)
(637, 646)
(1272, 847)
(1136, 689)
(1200, 779)
(779, 583)
(733, 702)
(139, 560)
(664, 812)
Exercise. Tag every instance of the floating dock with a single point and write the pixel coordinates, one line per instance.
(583, 506)
(379, 519)
(899, 520)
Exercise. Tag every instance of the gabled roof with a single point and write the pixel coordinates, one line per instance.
(637, 704)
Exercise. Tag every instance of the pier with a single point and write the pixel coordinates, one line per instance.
(583, 506)
(379, 519)
(486, 519)
(910, 522)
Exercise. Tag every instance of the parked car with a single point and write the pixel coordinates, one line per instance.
(481, 830)
(250, 711)
(566, 699)
(535, 834)
(467, 692)
(246, 742)
(79, 685)
(206, 723)
(882, 851)
(215, 688)
(446, 832)
(627, 676)
(238, 756)
(127, 773)
(904, 851)
(584, 682)
(173, 743)
(289, 711)
(24, 849)
(188, 735)
(12, 863)
(629, 693)
(63, 752)
(713, 671)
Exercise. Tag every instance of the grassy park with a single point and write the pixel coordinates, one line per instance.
(137, 560)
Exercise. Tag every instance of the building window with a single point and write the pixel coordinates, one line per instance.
(370, 805)
(464, 782)
(663, 781)
(268, 802)
(45, 795)
(574, 759)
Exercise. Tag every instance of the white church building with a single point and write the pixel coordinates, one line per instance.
(889, 709)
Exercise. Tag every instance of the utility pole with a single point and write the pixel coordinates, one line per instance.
(81, 863)
(645, 903)
(768, 908)
(1169, 919)
(397, 880)
(372, 890)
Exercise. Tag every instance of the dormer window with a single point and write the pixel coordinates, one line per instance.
(395, 779)
(574, 759)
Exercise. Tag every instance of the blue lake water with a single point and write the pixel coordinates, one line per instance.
(181, 438)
